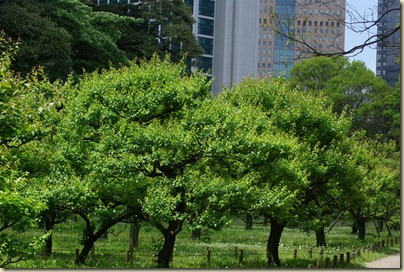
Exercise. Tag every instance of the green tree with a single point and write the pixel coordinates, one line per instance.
(351, 87)
(122, 140)
(166, 29)
(25, 104)
(287, 193)
(377, 194)
(312, 75)
(63, 36)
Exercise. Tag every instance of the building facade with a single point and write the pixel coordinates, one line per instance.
(318, 23)
(236, 38)
(388, 50)
(228, 32)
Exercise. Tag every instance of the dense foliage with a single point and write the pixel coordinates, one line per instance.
(72, 36)
(148, 142)
(352, 88)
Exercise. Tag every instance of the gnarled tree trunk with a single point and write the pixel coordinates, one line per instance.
(273, 242)
(170, 234)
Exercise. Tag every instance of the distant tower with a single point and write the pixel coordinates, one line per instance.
(317, 22)
(388, 50)
(228, 31)
(236, 38)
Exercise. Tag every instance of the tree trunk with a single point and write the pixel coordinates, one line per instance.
(320, 237)
(49, 223)
(249, 222)
(273, 242)
(170, 233)
(354, 228)
(388, 229)
(380, 225)
(134, 234)
(361, 229)
(88, 245)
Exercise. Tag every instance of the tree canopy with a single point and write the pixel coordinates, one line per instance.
(63, 36)
(352, 88)
(165, 29)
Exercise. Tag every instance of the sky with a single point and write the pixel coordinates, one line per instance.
(352, 39)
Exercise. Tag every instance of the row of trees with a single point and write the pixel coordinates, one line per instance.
(148, 142)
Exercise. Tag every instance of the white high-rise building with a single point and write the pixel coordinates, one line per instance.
(236, 39)
(228, 31)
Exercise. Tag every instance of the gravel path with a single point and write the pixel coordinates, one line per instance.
(392, 261)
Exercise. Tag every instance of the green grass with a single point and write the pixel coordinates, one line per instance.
(188, 253)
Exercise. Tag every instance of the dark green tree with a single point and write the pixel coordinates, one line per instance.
(166, 29)
(63, 36)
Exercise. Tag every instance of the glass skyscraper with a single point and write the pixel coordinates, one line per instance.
(317, 22)
(388, 50)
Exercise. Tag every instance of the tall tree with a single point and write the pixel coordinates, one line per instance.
(63, 36)
(166, 29)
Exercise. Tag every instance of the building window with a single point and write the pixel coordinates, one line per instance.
(205, 63)
(207, 8)
(205, 26)
(206, 44)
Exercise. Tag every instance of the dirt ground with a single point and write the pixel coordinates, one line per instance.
(392, 261)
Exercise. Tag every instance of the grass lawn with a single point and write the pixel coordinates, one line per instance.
(111, 252)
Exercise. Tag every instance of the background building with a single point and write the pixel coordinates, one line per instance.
(203, 12)
(316, 22)
(388, 50)
(236, 37)
(228, 31)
